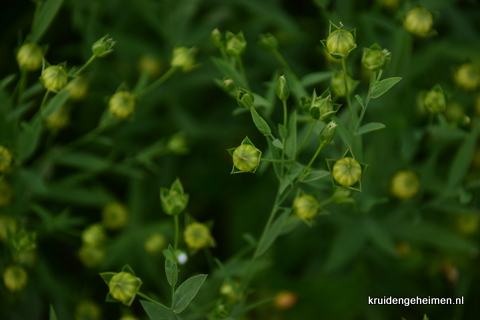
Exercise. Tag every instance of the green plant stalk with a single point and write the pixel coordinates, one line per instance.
(44, 100)
(347, 93)
(302, 145)
(373, 78)
(85, 66)
(285, 121)
(242, 69)
(157, 82)
(21, 86)
(175, 219)
(153, 301)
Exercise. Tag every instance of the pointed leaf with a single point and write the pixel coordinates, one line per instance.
(52, 315)
(272, 233)
(316, 175)
(107, 276)
(316, 77)
(360, 100)
(277, 144)
(29, 137)
(56, 102)
(44, 15)
(171, 271)
(383, 86)
(372, 126)
(261, 124)
(291, 141)
(155, 312)
(186, 292)
(229, 70)
(282, 131)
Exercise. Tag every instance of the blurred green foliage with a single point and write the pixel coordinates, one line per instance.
(425, 246)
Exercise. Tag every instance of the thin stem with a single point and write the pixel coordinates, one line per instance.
(157, 82)
(306, 138)
(44, 100)
(175, 218)
(347, 93)
(144, 296)
(85, 65)
(272, 160)
(320, 147)
(21, 86)
(373, 78)
(284, 113)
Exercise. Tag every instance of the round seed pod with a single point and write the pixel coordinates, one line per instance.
(405, 184)
(246, 158)
(340, 43)
(347, 171)
(29, 57)
(305, 206)
(54, 78)
(15, 278)
(124, 286)
(419, 21)
(122, 104)
(115, 216)
(197, 235)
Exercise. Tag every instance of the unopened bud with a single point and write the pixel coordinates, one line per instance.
(405, 184)
(217, 38)
(115, 216)
(8, 227)
(123, 287)
(58, 119)
(91, 256)
(347, 171)
(155, 244)
(197, 236)
(103, 46)
(419, 21)
(283, 90)
(374, 58)
(183, 58)
(174, 200)
(236, 43)
(328, 132)
(338, 84)
(306, 206)
(150, 65)
(78, 88)
(122, 104)
(467, 76)
(340, 42)
(245, 98)
(322, 108)
(15, 278)
(94, 235)
(435, 100)
(268, 42)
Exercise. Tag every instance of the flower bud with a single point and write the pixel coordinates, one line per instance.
(306, 206)
(174, 200)
(374, 58)
(217, 38)
(87, 310)
(435, 100)
(283, 90)
(54, 78)
(347, 171)
(328, 132)
(150, 65)
(338, 84)
(197, 236)
(5, 193)
(15, 278)
(94, 235)
(8, 227)
(246, 157)
(341, 195)
(103, 47)
(419, 21)
(340, 42)
(236, 43)
(122, 104)
(58, 119)
(405, 184)
(155, 244)
(245, 98)
(24, 241)
(178, 144)
(305, 103)
(228, 85)
(78, 88)
(231, 290)
(467, 76)
(285, 300)
(123, 287)
(91, 256)
(115, 216)
(268, 42)
(29, 57)
(183, 58)
(5, 159)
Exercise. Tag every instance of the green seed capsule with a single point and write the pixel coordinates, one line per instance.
(94, 235)
(246, 158)
(29, 57)
(435, 100)
(418, 21)
(306, 206)
(183, 58)
(347, 171)
(54, 78)
(340, 43)
(467, 76)
(15, 278)
(405, 184)
(122, 104)
(124, 286)
(115, 216)
(197, 236)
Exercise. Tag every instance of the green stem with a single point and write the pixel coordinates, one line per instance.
(144, 296)
(85, 66)
(373, 78)
(347, 93)
(320, 147)
(306, 138)
(284, 113)
(44, 100)
(175, 218)
(157, 82)
(271, 160)
(21, 86)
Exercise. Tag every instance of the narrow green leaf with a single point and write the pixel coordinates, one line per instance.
(83, 160)
(291, 141)
(7, 80)
(52, 315)
(314, 175)
(282, 131)
(260, 123)
(171, 271)
(44, 15)
(186, 292)
(460, 165)
(372, 126)
(260, 101)
(344, 134)
(29, 137)
(380, 87)
(272, 233)
(360, 100)
(277, 144)
(316, 77)
(56, 102)
(155, 312)
(229, 70)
